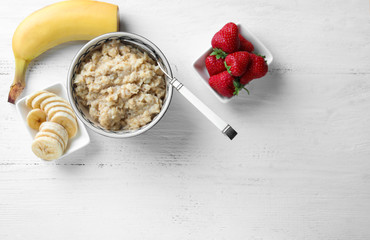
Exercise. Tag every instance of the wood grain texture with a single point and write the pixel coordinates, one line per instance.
(299, 168)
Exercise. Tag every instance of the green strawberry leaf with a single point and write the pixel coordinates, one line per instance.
(218, 53)
(237, 86)
(236, 83)
(227, 67)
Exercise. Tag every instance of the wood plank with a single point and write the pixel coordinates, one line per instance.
(298, 169)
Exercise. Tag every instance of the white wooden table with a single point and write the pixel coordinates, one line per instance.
(298, 169)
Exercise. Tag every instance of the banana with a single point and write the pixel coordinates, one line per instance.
(30, 98)
(56, 129)
(54, 110)
(51, 135)
(55, 24)
(35, 118)
(38, 100)
(67, 121)
(52, 99)
(47, 148)
(52, 105)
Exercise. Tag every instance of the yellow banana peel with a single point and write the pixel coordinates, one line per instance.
(58, 23)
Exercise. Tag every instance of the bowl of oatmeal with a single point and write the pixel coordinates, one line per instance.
(116, 87)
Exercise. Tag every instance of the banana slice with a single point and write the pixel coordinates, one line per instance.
(56, 129)
(54, 110)
(67, 121)
(31, 97)
(35, 118)
(51, 135)
(38, 100)
(56, 104)
(52, 99)
(47, 148)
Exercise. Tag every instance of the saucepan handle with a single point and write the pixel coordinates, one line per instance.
(212, 116)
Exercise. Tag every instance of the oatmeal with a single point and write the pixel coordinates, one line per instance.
(122, 87)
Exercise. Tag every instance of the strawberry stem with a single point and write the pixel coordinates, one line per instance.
(238, 86)
(246, 90)
(227, 67)
(218, 53)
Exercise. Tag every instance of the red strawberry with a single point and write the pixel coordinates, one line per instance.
(236, 63)
(247, 77)
(215, 65)
(225, 84)
(258, 68)
(245, 45)
(227, 38)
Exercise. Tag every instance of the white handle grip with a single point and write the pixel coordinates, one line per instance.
(213, 117)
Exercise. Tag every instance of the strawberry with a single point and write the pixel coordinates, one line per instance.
(214, 65)
(257, 68)
(247, 77)
(225, 84)
(227, 38)
(245, 45)
(236, 63)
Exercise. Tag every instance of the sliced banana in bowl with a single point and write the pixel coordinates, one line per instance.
(47, 148)
(51, 135)
(57, 109)
(30, 98)
(55, 99)
(67, 121)
(57, 129)
(35, 118)
(40, 98)
(52, 105)
(52, 123)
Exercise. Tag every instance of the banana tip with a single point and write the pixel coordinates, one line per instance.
(15, 91)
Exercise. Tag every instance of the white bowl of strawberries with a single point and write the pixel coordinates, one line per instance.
(235, 59)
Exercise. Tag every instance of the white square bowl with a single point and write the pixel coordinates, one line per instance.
(79, 141)
(200, 66)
